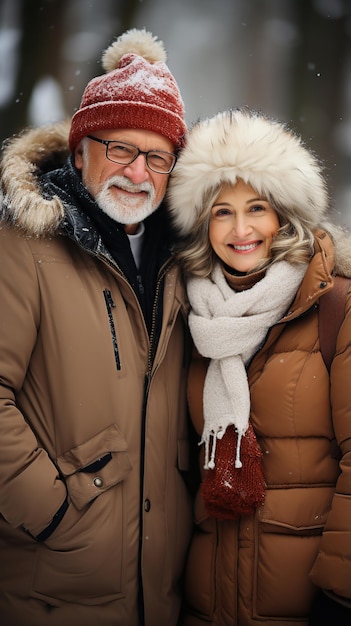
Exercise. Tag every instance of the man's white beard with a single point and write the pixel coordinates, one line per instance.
(126, 208)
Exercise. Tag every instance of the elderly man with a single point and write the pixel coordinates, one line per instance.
(95, 513)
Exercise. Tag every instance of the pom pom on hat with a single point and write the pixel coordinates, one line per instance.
(134, 41)
(138, 91)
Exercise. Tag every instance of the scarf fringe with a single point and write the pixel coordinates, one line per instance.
(210, 460)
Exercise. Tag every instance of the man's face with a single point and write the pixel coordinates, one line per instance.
(127, 193)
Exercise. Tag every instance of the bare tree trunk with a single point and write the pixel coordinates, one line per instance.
(42, 31)
(318, 81)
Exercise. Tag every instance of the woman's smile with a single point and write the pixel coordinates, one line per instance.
(242, 227)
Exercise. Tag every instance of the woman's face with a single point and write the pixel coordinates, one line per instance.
(242, 227)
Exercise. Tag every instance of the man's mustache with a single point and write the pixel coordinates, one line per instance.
(127, 185)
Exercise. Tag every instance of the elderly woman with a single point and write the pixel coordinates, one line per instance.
(272, 540)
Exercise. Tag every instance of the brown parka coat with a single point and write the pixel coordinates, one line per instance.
(74, 358)
(264, 569)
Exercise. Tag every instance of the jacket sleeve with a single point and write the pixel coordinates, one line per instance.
(332, 568)
(31, 492)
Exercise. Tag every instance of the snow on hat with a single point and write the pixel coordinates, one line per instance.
(137, 91)
(262, 152)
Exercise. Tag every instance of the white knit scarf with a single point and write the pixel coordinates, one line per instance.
(229, 327)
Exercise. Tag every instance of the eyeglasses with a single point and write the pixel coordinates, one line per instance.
(125, 153)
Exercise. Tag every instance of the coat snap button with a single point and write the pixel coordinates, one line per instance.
(147, 505)
(98, 482)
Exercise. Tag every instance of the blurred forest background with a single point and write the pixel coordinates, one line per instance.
(289, 58)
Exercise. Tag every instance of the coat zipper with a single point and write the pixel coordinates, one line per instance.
(109, 306)
(151, 354)
(147, 384)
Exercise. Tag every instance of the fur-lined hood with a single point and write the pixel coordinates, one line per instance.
(24, 157)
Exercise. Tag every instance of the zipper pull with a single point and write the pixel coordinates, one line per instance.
(108, 298)
(140, 285)
(109, 306)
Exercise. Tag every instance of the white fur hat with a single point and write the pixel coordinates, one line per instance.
(262, 152)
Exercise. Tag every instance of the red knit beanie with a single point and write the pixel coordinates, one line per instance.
(137, 91)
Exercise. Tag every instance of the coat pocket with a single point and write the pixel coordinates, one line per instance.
(95, 466)
(287, 540)
(82, 561)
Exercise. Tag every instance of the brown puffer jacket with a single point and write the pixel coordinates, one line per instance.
(74, 356)
(264, 569)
